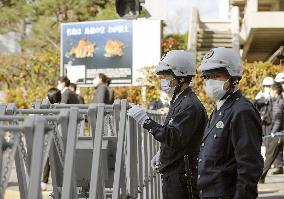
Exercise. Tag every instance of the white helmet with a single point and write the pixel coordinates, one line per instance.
(180, 62)
(222, 58)
(267, 81)
(279, 77)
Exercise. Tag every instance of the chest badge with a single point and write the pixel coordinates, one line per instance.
(220, 125)
(171, 121)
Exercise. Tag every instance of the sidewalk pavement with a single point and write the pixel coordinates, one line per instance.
(272, 189)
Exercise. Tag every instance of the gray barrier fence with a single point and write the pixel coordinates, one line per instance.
(95, 151)
(276, 134)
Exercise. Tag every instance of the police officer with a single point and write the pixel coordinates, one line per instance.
(230, 162)
(265, 103)
(183, 128)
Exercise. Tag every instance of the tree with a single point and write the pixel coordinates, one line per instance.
(28, 77)
(174, 42)
(108, 12)
(38, 21)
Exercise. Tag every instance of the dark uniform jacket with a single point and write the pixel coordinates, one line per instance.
(277, 114)
(181, 133)
(230, 161)
(102, 94)
(264, 107)
(69, 97)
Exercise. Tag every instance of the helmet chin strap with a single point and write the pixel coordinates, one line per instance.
(232, 84)
(181, 81)
(177, 89)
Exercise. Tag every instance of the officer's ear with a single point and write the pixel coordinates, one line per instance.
(234, 81)
(231, 83)
(174, 82)
(185, 80)
(227, 85)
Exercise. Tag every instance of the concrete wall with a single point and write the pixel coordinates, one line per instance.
(265, 20)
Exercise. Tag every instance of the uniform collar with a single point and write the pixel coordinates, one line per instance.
(181, 95)
(177, 102)
(218, 114)
(230, 100)
(220, 103)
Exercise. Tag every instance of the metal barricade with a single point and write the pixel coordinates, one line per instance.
(111, 160)
(34, 129)
(276, 134)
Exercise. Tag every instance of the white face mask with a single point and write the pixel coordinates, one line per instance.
(166, 86)
(96, 82)
(215, 89)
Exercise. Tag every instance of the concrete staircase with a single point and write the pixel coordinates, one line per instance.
(253, 28)
(207, 39)
(207, 34)
(212, 34)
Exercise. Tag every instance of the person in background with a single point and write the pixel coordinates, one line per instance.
(266, 85)
(110, 90)
(102, 93)
(68, 96)
(162, 103)
(73, 87)
(276, 144)
(280, 158)
(263, 103)
(54, 96)
(280, 79)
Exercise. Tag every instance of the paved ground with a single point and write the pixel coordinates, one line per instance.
(272, 189)
(12, 191)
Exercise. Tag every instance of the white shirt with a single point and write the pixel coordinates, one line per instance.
(220, 103)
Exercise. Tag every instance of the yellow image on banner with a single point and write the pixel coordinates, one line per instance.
(114, 48)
